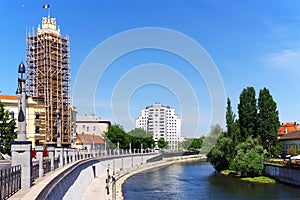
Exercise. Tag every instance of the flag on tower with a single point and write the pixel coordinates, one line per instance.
(46, 6)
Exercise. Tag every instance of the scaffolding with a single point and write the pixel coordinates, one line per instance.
(48, 78)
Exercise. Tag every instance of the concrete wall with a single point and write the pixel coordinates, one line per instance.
(283, 174)
(73, 182)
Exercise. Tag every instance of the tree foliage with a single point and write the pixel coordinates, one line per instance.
(249, 159)
(243, 145)
(210, 140)
(231, 124)
(116, 134)
(268, 122)
(136, 137)
(247, 113)
(7, 130)
(221, 154)
(192, 143)
(139, 136)
(161, 143)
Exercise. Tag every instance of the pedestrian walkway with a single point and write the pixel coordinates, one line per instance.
(97, 189)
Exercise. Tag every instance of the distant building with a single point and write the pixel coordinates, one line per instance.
(162, 122)
(287, 139)
(91, 124)
(89, 142)
(288, 127)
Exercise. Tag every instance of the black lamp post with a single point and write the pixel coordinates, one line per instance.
(21, 95)
(58, 142)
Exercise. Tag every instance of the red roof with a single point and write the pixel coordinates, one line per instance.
(88, 139)
(288, 127)
(294, 135)
(8, 97)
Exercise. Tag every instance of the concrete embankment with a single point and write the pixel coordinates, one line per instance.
(122, 177)
(283, 174)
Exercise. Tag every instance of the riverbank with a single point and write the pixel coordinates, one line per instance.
(123, 176)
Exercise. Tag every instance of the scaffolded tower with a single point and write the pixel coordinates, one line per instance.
(48, 79)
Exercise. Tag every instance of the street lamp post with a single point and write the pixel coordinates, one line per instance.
(21, 95)
(58, 142)
(21, 150)
(93, 142)
(118, 151)
(269, 148)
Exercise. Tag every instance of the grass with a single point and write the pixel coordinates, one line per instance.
(226, 172)
(259, 179)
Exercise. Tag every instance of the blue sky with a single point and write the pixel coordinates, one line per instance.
(252, 43)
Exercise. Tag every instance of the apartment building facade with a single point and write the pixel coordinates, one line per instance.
(162, 122)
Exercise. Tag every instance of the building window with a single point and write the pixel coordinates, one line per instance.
(87, 129)
(83, 126)
(94, 128)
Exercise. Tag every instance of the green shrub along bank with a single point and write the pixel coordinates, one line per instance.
(250, 137)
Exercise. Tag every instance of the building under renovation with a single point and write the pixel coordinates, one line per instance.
(48, 82)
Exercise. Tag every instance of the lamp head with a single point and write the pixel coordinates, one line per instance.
(18, 93)
(21, 69)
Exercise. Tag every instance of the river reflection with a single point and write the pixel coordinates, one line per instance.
(198, 180)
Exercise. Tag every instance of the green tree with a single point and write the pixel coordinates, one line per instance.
(231, 123)
(161, 143)
(7, 130)
(268, 122)
(247, 111)
(220, 156)
(196, 143)
(139, 136)
(186, 144)
(116, 134)
(210, 140)
(249, 160)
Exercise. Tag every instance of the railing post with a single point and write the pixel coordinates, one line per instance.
(39, 156)
(51, 157)
(59, 151)
(22, 155)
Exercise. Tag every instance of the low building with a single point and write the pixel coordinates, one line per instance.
(92, 124)
(35, 128)
(35, 118)
(288, 127)
(289, 138)
(89, 142)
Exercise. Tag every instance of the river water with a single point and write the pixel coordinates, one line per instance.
(198, 180)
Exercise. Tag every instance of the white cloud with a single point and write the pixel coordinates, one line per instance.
(288, 59)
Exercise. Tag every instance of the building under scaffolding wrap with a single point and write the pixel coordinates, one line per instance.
(48, 81)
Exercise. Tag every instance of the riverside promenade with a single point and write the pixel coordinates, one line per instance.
(97, 188)
(87, 179)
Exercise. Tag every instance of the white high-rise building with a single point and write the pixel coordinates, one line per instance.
(162, 122)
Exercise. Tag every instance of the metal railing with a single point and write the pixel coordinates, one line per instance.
(35, 170)
(56, 161)
(10, 181)
(47, 166)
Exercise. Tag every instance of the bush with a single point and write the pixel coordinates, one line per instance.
(250, 163)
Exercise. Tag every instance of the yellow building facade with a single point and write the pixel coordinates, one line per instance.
(35, 118)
